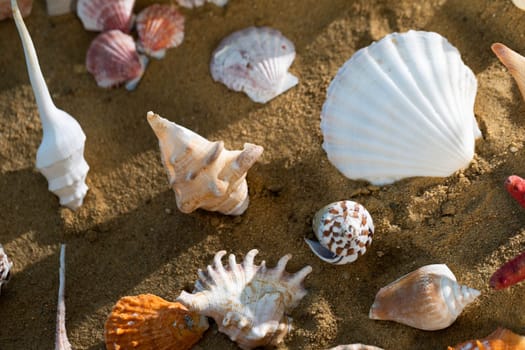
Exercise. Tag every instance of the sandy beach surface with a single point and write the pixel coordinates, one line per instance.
(129, 237)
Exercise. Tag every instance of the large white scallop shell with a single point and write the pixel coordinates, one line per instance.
(104, 15)
(5, 267)
(428, 298)
(401, 107)
(249, 303)
(344, 230)
(203, 174)
(255, 60)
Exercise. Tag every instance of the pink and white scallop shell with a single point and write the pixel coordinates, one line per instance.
(344, 230)
(197, 3)
(25, 7)
(255, 60)
(159, 27)
(112, 58)
(104, 15)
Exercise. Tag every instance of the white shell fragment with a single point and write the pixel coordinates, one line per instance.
(428, 298)
(5, 267)
(204, 174)
(255, 60)
(60, 157)
(344, 230)
(249, 303)
(197, 3)
(61, 340)
(60, 7)
(401, 107)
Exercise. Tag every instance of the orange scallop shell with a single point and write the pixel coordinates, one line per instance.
(146, 322)
(500, 339)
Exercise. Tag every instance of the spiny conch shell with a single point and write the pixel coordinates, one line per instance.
(61, 341)
(514, 62)
(519, 4)
(60, 157)
(401, 107)
(355, 347)
(248, 302)
(255, 60)
(159, 27)
(428, 298)
(25, 7)
(204, 174)
(5, 267)
(147, 322)
(197, 3)
(344, 230)
(60, 7)
(104, 15)
(112, 58)
(500, 339)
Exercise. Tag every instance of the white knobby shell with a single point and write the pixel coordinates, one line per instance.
(401, 107)
(204, 174)
(5, 267)
(255, 60)
(104, 15)
(60, 157)
(249, 303)
(61, 340)
(428, 298)
(344, 230)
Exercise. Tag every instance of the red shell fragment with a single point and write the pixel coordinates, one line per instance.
(510, 273)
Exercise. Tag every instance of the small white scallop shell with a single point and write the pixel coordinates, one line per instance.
(401, 107)
(25, 7)
(197, 3)
(159, 27)
(344, 230)
(112, 58)
(204, 174)
(255, 60)
(5, 267)
(104, 15)
(249, 303)
(60, 157)
(428, 298)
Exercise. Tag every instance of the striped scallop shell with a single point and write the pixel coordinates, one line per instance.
(146, 322)
(500, 339)
(25, 7)
(255, 60)
(159, 27)
(401, 107)
(104, 15)
(344, 230)
(5, 267)
(112, 58)
(197, 3)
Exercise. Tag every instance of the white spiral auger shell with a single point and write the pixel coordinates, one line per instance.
(60, 156)
(401, 107)
(248, 302)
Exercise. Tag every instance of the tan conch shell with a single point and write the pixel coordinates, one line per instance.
(146, 322)
(249, 303)
(5, 267)
(514, 62)
(428, 298)
(500, 339)
(355, 347)
(204, 174)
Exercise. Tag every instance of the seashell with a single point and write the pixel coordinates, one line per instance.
(344, 230)
(112, 58)
(519, 4)
(60, 157)
(61, 341)
(515, 185)
(428, 298)
(500, 339)
(159, 27)
(204, 174)
(255, 60)
(25, 7)
(146, 321)
(510, 273)
(248, 302)
(5, 267)
(60, 7)
(197, 3)
(401, 107)
(514, 62)
(355, 347)
(104, 15)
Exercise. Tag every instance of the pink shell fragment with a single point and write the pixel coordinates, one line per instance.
(25, 7)
(104, 15)
(159, 27)
(113, 59)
